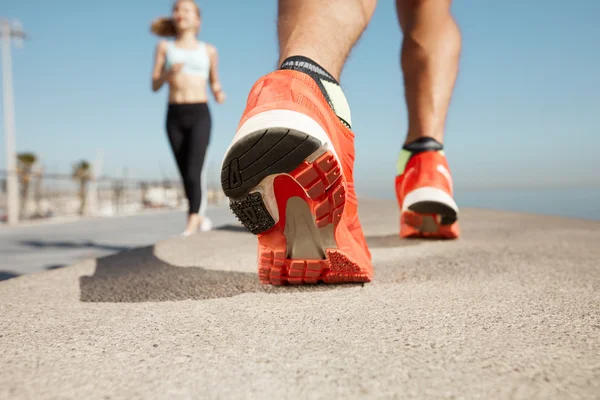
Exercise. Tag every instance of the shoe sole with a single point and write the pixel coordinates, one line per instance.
(285, 185)
(429, 213)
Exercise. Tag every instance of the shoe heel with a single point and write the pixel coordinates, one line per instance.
(319, 183)
(304, 213)
(433, 226)
(280, 255)
(262, 153)
(285, 185)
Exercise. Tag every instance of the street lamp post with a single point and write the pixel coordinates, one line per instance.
(10, 31)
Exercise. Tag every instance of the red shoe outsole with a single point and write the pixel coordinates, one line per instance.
(321, 186)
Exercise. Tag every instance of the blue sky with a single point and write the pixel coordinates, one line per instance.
(524, 113)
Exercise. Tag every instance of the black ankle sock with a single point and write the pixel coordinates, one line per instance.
(416, 147)
(308, 66)
(329, 86)
(423, 144)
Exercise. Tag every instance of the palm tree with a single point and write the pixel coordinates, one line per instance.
(82, 173)
(25, 163)
(37, 191)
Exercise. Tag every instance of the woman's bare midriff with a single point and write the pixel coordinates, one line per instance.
(184, 89)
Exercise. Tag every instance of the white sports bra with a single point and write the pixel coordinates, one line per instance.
(196, 61)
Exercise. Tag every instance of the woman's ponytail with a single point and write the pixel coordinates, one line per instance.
(164, 27)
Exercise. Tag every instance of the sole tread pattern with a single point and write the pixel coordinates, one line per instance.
(322, 182)
(263, 153)
(337, 268)
(252, 213)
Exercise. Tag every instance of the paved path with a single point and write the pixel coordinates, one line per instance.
(510, 311)
(48, 245)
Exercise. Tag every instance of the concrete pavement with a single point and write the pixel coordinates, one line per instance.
(52, 244)
(510, 311)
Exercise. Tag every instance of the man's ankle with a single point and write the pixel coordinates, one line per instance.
(329, 86)
(415, 147)
(422, 144)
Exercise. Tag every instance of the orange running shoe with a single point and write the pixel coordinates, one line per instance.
(425, 194)
(288, 175)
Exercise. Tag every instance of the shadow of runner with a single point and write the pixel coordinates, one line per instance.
(6, 275)
(54, 266)
(233, 228)
(139, 276)
(40, 244)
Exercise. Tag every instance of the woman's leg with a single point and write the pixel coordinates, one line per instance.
(199, 137)
(176, 136)
(203, 188)
(179, 122)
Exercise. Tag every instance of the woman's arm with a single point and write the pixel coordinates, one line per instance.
(159, 77)
(215, 84)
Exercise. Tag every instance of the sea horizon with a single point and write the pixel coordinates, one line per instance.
(569, 202)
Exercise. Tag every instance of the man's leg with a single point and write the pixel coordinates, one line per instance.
(430, 56)
(288, 172)
(324, 31)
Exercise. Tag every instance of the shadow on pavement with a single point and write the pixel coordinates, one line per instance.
(233, 228)
(6, 275)
(55, 266)
(72, 245)
(139, 276)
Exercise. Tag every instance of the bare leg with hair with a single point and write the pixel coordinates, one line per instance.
(430, 55)
(324, 31)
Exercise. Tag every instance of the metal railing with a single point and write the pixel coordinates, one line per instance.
(44, 196)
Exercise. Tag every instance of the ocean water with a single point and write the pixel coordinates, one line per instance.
(581, 203)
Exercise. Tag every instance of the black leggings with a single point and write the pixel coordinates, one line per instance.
(188, 126)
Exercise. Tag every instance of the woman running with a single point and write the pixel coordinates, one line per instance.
(187, 65)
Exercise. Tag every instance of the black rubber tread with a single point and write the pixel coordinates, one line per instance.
(264, 153)
(449, 215)
(252, 213)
